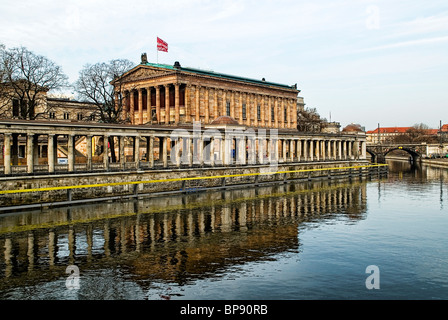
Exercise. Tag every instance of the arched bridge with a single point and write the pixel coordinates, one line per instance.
(380, 151)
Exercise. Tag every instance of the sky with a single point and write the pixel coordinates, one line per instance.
(368, 62)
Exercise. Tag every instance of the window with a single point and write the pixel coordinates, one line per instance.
(52, 115)
(244, 111)
(66, 115)
(286, 115)
(79, 115)
(272, 114)
(92, 117)
(15, 108)
(228, 108)
(258, 112)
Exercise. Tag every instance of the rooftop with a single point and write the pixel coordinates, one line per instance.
(225, 120)
(177, 67)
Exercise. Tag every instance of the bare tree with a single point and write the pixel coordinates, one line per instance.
(4, 101)
(93, 85)
(418, 133)
(421, 132)
(308, 120)
(26, 78)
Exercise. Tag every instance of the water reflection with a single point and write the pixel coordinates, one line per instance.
(172, 239)
(419, 179)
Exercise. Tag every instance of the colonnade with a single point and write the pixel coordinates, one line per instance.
(150, 149)
(183, 103)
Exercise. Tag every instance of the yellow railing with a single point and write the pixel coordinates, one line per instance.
(182, 179)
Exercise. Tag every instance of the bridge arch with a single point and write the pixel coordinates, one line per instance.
(415, 155)
(373, 154)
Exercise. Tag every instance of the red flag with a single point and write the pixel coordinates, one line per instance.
(162, 45)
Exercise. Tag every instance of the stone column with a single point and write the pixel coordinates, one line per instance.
(311, 150)
(252, 152)
(283, 142)
(255, 106)
(299, 150)
(276, 151)
(306, 152)
(206, 105)
(148, 105)
(151, 151)
(165, 152)
(263, 109)
(232, 104)
(221, 151)
(356, 149)
(275, 112)
(212, 151)
(71, 152)
(363, 150)
(122, 155)
(323, 155)
(50, 153)
(294, 114)
(132, 107)
(281, 111)
(177, 149)
(334, 149)
(189, 151)
(200, 150)
(30, 153)
(240, 108)
(158, 104)
(291, 150)
(7, 159)
(167, 104)
(339, 150)
(227, 146)
(248, 109)
(215, 103)
(124, 106)
(197, 95)
(140, 106)
(137, 152)
(89, 152)
(260, 150)
(224, 102)
(349, 149)
(242, 150)
(176, 103)
(269, 150)
(187, 104)
(106, 152)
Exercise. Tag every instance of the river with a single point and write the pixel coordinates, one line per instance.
(371, 239)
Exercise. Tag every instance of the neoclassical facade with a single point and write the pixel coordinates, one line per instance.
(174, 95)
(175, 117)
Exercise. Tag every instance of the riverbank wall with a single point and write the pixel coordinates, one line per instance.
(67, 189)
(438, 163)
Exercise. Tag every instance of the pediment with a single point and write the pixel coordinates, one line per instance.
(143, 72)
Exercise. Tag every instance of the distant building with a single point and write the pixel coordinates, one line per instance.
(385, 134)
(353, 128)
(46, 108)
(388, 134)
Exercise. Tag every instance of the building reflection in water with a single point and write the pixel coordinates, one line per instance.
(175, 239)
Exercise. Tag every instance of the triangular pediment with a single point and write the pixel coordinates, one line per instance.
(142, 72)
